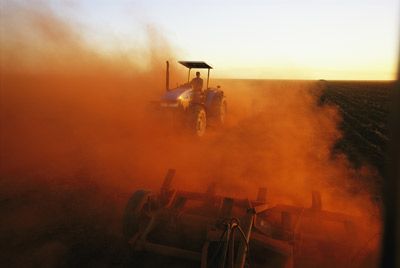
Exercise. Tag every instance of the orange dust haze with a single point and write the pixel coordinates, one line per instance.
(77, 136)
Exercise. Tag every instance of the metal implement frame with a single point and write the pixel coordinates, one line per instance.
(219, 238)
(173, 201)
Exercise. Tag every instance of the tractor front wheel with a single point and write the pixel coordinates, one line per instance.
(199, 120)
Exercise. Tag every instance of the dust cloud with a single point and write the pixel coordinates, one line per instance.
(77, 137)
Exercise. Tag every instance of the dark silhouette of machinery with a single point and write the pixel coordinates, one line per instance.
(211, 230)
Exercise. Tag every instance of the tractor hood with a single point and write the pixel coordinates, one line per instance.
(174, 94)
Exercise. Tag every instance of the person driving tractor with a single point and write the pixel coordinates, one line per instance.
(197, 82)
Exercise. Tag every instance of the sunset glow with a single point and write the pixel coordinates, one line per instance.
(254, 39)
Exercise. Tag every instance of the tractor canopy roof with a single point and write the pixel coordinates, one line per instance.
(195, 64)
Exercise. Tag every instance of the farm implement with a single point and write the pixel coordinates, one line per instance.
(218, 231)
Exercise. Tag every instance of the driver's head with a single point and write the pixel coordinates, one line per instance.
(197, 74)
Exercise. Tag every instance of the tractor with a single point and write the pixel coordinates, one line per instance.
(192, 108)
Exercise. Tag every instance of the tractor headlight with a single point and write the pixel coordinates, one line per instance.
(185, 98)
(185, 95)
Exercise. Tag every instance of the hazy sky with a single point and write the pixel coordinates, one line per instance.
(342, 39)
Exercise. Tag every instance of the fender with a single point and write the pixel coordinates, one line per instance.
(213, 98)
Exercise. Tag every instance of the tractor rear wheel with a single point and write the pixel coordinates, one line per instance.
(221, 112)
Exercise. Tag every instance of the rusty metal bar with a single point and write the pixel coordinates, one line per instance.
(172, 251)
(149, 228)
(169, 198)
(179, 202)
(260, 208)
(204, 196)
(166, 186)
(166, 193)
(192, 195)
(204, 254)
(231, 253)
(242, 250)
(142, 244)
(279, 246)
(222, 259)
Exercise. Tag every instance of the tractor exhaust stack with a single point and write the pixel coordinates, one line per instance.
(167, 78)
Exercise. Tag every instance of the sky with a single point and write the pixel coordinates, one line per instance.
(255, 39)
